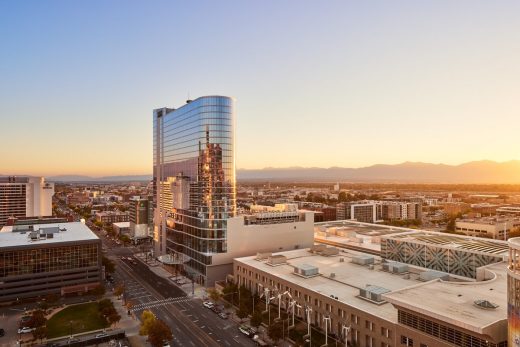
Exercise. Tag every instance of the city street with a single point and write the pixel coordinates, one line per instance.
(191, 323)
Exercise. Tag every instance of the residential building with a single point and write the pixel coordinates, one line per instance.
(491, 227)
(110, 217)
(367, 211)
(508, 210)
(363, 211)
(78, 199)
(41, 259)
(24, 196)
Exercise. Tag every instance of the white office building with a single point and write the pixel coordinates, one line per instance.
(25, 196)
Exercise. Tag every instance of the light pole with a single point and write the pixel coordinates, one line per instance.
(292, 306)
(308, 311)
(327, 321)
(345, 329)
(266, 294)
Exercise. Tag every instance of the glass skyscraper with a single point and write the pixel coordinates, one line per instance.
(194, 179)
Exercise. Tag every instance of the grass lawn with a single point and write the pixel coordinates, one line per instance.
(77, 318)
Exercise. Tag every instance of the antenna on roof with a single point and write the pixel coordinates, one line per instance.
(188, 100)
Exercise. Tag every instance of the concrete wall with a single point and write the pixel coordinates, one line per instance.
(246, 240)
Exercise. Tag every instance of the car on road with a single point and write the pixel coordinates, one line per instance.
(246, 330)
(25, 330)
(2, 332)
(216, 309)
(223, 315)
(208, 304)
(166, 344)
(101, 335)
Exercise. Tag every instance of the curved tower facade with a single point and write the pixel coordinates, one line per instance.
(513, 293)
(194, 178)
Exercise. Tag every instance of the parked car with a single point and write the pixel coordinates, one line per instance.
(2, 332)
(246, 330)
(25, 330)
(166, 344)
(216, 309)
(208, 304)
(223, 315)
(101, 335)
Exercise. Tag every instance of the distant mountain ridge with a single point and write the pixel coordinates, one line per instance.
(107, 179)
(485, 171)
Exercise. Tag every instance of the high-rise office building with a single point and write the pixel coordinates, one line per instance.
(24, 196)
(141, 218)
(194, 179)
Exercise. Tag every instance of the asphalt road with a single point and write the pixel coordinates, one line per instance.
(192, 325)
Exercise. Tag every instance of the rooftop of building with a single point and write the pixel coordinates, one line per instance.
(13, 236)
(451, 300)
(457, 302)
(489, 220)
(368, 236)
(122, 224)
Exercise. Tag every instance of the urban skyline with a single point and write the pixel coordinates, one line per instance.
(379, 73)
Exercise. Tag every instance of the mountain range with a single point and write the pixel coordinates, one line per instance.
(485, 171)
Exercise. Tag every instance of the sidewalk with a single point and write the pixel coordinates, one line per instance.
(195, 291)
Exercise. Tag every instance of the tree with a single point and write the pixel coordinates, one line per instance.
(38, 319)
(113, 318)
(275, 331)
(342, 197)
(109, 265)
(256, 319)
(214, 294)
(99, 291)
(147, 320)
(119, 290)
(125, 239)
(158, 333)
(297, 198)
(241, 312)
(40, 333)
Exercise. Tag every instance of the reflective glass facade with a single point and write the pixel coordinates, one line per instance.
(32, 270)
(194, 177)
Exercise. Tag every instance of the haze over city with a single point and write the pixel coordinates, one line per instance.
(345, 84)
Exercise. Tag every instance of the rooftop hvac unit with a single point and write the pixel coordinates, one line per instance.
(341, 260)
(306, 270)
(363, 259)
(371, 267)
(373, 293)
(332, 275)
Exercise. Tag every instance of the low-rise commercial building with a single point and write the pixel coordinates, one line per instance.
(373, 302)
(41, 259)
(490, 227)
(109, 217)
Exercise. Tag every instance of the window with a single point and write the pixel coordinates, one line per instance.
(406, 341)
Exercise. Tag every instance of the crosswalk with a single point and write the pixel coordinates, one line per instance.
(162, 302)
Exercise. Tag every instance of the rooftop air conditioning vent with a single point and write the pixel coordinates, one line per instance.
(485, 304)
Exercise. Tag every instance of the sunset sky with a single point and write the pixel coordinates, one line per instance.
(317, 83)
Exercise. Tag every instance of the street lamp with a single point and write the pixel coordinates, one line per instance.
(327, 321)
(308, 311)
(345, 329)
